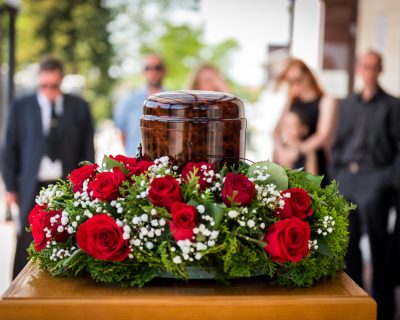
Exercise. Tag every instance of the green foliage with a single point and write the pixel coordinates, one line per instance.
(303, 179)
(111, 163)
(76, 32)
(95, 37)
(276, 174)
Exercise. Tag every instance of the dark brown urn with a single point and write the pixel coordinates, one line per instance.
(194, 126)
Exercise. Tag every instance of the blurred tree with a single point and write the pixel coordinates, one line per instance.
(76, 32)
(183, 50)
(181, 44)
(104, 39)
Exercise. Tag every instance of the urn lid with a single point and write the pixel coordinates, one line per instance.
(193, 104)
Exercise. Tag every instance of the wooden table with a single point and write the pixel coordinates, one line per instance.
(36, 295)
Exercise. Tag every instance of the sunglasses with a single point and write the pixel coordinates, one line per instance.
(51, 86)
(158, 67)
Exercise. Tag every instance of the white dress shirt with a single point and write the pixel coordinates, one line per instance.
(49, 170)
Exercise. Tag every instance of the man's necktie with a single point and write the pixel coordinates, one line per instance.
(53, 135)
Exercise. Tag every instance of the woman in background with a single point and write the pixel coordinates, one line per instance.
(209, 78)
(306, 96)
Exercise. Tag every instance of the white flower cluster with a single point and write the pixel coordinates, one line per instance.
(143, 190)
(144, 230)
(241, 215)
(260, 174)
(117, 204)
(191, 251)
(61, 253)
(83, 199)
(326, 226)
(160, 168)
(194, 250)
(47, 195)
(269, 197)
(313, 244)
(211, 177)
(65, 225)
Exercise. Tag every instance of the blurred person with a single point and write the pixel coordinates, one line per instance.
(306, 96)
(365, 161)
(127, 114)
(208, 78)
(48, 134)
(294, 130)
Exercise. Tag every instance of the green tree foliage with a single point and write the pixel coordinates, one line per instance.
(103, 40)
(183, 50)
(76, 32)
(182, 44)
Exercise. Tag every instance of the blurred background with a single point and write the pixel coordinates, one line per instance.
(102, 41)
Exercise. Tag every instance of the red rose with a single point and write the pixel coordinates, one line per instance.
(164, 192)
(239, 189)
(101, 238)
(287, 240)
(202, 169)
(134, 166)
(297, 204)
(105, 186)
(184, 219)
(79, 175)
(44, 226)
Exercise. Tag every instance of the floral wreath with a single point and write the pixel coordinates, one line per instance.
(132, 220)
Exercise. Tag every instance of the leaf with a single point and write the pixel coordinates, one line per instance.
(306, 180)
(84, 163)
(277, 174)
(261, 243)
(70, 258)
(216, 211)
(111, 163)
(323, 248)
(192, 202)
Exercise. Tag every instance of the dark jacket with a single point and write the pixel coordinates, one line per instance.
(385, 138)
(25, 145)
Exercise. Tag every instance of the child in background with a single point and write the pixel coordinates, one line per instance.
(294, 130)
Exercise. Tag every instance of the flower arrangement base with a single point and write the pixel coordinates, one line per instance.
(35, 295)
(194, 274)
(197, 273)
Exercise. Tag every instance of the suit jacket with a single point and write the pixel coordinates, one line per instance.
(25, 145)
(385, 140)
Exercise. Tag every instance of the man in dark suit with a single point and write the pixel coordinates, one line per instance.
(48, 134)
(366, 163)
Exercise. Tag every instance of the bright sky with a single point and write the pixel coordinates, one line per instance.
(254, 24)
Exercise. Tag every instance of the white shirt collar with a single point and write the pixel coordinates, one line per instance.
(45, 103)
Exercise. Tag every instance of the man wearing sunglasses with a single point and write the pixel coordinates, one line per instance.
(127, 114)
(48, 134)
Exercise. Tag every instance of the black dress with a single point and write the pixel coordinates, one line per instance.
(310, 113)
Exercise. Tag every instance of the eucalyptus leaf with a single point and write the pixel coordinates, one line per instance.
(71, 257)
(111, 163)
(216, 211)
(324, 248)
(192, 202)
(84, 163)
(277, 174)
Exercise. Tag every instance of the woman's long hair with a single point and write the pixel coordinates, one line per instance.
(306, 71)
(193, 83)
